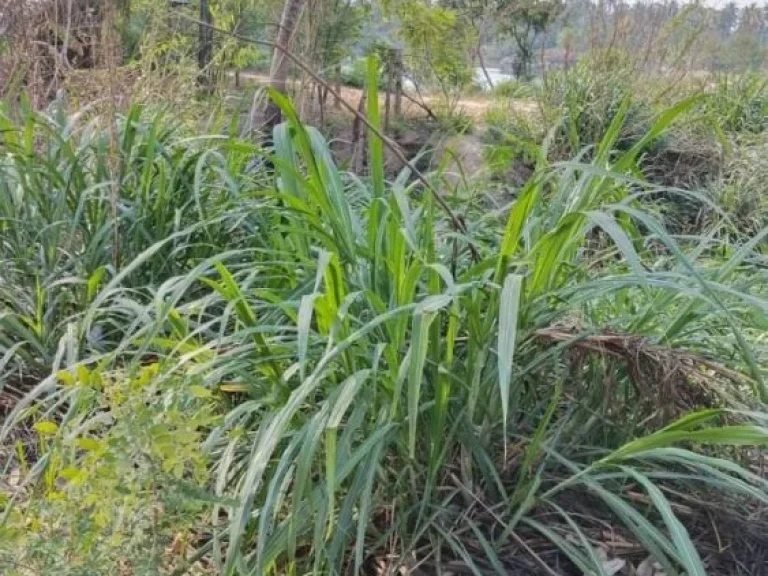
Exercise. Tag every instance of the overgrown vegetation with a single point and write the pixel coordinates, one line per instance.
(226, 355)
(304, 329)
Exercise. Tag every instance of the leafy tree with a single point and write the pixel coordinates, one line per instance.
(524, 21)
(728, 19)
(744, 49)
(335, 28)
(239, 17)
(432, 58)
(480, 15)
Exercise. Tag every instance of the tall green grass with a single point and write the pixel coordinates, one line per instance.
(386, 396)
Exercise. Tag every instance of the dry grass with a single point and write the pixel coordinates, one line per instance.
(669, 381)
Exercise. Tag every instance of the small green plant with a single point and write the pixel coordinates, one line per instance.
(513, 89)
(454, 122)
(123, 479)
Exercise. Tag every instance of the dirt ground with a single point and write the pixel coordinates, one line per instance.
(475, 106)
(415, 132)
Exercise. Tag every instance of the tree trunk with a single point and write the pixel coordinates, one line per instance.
(398, 73)
(337, 85)
(522, 66)
(67, 31)
(321, 97)
(481, 61)
(358, 140)
(264, 117)
(205, 47)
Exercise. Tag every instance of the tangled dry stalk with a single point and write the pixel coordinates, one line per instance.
(46, 39)
(668, 381)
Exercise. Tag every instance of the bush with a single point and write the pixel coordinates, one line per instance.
(355, 74)
(742, 191)
(454, 122)
(512, 140)
(585, 99)
(122, 490)
(474, 89)
(738, 104)
(513, 89)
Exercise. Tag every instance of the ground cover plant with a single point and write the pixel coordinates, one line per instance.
(250, 362)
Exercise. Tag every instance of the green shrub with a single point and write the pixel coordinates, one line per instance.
(454, 121)
(122, 480)
(738, 103)
(474, 89)
(585, 99)
(513, 89)
(354, 75)
(511, 139)
(742, 190)
(56, 216)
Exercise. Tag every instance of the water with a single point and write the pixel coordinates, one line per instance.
(497, 76)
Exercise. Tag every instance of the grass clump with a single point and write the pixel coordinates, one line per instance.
(512, 89)
(741, 189)
(373, 386)
(583, 101)
(739, 103)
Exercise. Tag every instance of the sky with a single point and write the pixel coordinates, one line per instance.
(721, 3)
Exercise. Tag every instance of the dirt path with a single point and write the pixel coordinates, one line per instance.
(474, 106)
